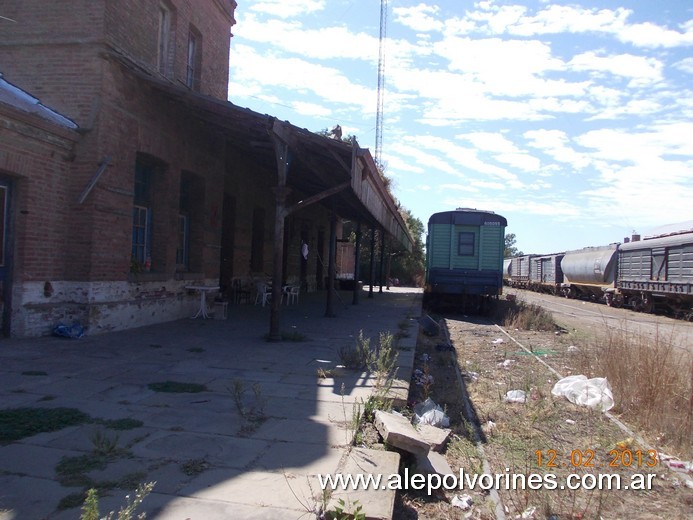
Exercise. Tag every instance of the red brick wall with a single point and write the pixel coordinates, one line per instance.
(132, 28)
(37, 159)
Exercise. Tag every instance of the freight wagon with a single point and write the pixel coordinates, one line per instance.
(656, 272)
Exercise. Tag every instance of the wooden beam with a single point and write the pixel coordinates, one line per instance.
(317, 197)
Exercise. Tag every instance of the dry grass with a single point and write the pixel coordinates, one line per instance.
(652, 382)
(526, 316)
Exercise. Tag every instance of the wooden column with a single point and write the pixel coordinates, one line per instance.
(357, 261)
(280, 192)
(372, 264)
(331, 266)
(382, 259)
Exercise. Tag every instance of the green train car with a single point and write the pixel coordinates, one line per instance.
(464, 258)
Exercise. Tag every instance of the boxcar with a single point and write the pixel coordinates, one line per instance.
(519, 271)
(656, 271)
(545, 273)
(464, 258)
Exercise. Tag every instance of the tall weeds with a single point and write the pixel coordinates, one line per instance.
(652, 383)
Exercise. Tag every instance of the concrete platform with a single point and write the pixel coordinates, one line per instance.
(274, 415)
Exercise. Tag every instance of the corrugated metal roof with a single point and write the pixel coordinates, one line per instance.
(21, 100)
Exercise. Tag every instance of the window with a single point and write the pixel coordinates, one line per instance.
(182, 250)
(142, 216)
(164, 39)
(192, 74)
(465, 246)
(141, 236)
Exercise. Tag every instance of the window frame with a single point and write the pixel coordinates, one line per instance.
(183, 242)
(164, 39)
(466, 243)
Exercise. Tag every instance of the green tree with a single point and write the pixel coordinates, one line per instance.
(407, 266)
(510, 249)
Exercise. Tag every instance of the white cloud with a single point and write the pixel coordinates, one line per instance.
(286, 9)
(640, 70)
(556, 144)
(686, 65)
(560, 19)
(326, 84)
(651, 35)
(421, 18)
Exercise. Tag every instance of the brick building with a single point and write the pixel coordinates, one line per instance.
(141, 178)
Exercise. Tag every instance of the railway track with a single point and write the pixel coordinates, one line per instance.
(584, 314)
(491, 360)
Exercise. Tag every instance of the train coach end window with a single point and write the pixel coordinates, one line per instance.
(465, 245)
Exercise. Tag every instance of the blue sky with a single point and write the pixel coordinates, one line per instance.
(572, 120)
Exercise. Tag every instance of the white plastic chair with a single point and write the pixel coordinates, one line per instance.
(292, 292)
(263, 293)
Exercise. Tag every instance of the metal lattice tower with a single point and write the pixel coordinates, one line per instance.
(381, 82)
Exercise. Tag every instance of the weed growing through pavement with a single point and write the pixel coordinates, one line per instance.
(341, 511)
(104, 445)
(252, 411)
(90, 508)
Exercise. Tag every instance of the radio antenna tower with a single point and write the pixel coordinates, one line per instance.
(381, 83)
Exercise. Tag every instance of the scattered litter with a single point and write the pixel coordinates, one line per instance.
(489, 427)
(429, 412)
(471, 375)
(464, 502)
(570, 421)
(73, 332)
(506, 363)
(422, 379)
(573, 348)
(680, 464)
(624, 444)
(594, 393)
(528, 513)
(425, 357)
(430, 327)
(497, 341)
(516, 396)
(441, 347)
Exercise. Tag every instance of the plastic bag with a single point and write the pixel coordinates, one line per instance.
(595, 393)
(515, 396)
(73, 332)
(429, 412)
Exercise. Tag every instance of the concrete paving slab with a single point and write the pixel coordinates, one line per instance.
(300, 458)
(32, 460)
(397, 431)
(375, 503)
(267, 472)
(219, 450)
(302, 430)
(26, 497)
(290, 491)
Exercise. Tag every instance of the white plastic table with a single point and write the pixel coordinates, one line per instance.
(203, 290)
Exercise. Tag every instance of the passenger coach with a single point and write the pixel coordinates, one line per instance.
(464, 258)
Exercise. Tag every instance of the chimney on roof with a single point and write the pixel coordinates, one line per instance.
(635, 238)
(626, 240)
